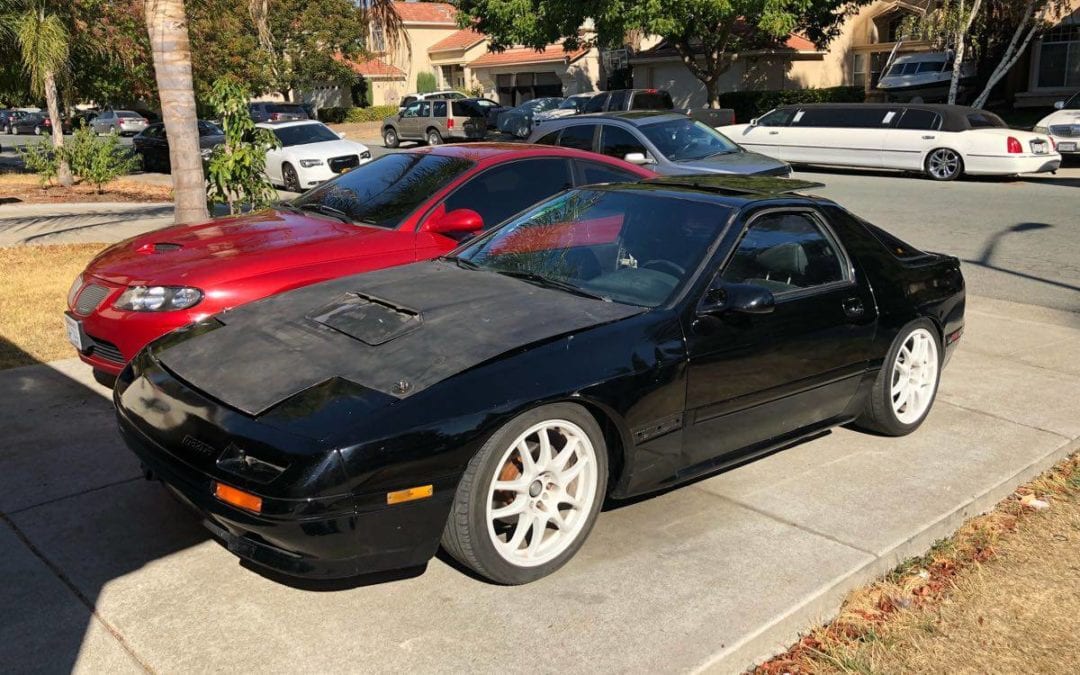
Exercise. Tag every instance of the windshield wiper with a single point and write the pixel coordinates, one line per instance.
(463, 263)
(548, 282)
(321, 209)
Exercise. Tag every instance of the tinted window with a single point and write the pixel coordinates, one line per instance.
(407, 100)
(784, 252)
(440, 108)
(985, 120)
(501, 192)
(286, 108)
(577, 103)
(776, 118)
(580, 136)
(549, 139)
(467, 109)
(209, 129)
(384, 192)
(596, 103)
(425, 109)
(931, 67)
(618, 100)
(854, 117)
(618, 142)
(652, 100)
(593, 172)
(156, 131)
(127, 114)
(920, 119)
(304, 133)
(687, 140)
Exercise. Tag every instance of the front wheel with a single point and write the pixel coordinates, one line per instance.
(292, 180)
(522, 130)
(907, 384)
(530, 496)
(434, 137)
(944, 164)
(37, 131)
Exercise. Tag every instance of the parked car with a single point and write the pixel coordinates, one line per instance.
(311, 153)
(1063, 126)
(123, 122)
(571, 105)
(410, 98)
(152, 145)
(490, 109)
(943, 142)
(654, 99)
(30, 123)
(668, 143)
(8, 118)
(434, 121)
(612, 341)
(402, 207)
(83, 118)
(263, 111)
(519, 121)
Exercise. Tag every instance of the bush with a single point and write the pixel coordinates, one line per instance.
(41, 159)
(98, 160)
(337, 115)
(236, 170)
(425, 83)
(751, 104)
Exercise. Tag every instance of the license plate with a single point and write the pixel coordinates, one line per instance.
(1067, 147)
(1039, 147)
(74, 331)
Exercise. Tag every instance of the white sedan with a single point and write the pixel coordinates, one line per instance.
(942, 141)
(311, 153)
(1063, 125)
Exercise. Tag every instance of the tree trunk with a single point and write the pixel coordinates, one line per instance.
(167, 26)
(1032, 21)
(63, 173)
(960, 48)
(712, 92)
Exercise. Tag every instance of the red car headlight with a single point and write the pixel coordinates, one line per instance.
(158, 298)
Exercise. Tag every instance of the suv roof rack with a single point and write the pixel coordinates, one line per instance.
(765, 186)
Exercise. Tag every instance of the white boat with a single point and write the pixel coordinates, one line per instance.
(923, 77)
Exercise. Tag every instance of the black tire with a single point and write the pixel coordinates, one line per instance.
(879, 415)
(943, 164)
(147, 163)
(433, 137)
(390, 138)
(466, 537)
(522, 131)
(290, 178)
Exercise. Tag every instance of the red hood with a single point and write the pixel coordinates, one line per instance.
(235, 248)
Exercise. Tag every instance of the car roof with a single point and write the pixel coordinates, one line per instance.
(494, 152)
(954, 117)
(731, 191)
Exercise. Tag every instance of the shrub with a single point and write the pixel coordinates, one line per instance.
(236, 169)
(751, 104)
(338, 115)
(41, 159)
(98, 160)
(425, 82)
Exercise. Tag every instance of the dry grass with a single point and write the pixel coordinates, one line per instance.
(24, 187)
(33, 297)
(1001, 595)
(359, 131)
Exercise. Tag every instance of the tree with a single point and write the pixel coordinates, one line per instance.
(43, 41)
(111, 62)
(947, 24)
(237, 167)
(703, 32)
(166, 23)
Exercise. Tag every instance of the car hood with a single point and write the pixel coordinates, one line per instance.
(737, 162)
(326, 149)
(1060, 117)
(230, 248)
(396, 331)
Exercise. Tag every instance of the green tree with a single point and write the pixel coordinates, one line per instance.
(237, 168)
(111, 62)
(98, 160)
(703, 32)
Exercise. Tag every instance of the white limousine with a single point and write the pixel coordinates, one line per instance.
(942, 141)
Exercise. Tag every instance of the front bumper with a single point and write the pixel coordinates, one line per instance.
(1071, 144)
(316, 175)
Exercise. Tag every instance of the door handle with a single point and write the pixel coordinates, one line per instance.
(774, 133)
(853, 308)
(929, 138)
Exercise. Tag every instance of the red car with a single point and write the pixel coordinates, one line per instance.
(398, 209)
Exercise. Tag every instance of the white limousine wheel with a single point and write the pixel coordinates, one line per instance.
(530, 496)
(907, 383)
(944, 164)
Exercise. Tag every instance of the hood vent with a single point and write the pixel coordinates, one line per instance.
(370, 320)
(159, 247)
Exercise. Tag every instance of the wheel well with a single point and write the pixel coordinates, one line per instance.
(435, 129)
(612, 438)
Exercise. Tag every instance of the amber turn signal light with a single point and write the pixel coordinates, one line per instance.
(409, 494)
(238, 498)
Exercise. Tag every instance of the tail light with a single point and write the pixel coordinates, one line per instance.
(450, 123)
(1014, 146)
(1053, 144)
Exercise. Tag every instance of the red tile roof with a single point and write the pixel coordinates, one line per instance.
(524, 55)
(373, 68)
(462, 39)
(799, 43)
(426, 12)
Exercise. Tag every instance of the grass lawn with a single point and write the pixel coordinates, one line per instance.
(25, 187)
(1000, 596)
(33, 297)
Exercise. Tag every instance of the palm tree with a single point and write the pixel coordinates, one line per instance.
(43, 41)
(166, 22)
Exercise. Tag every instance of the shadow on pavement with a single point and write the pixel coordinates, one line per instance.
(986, 257)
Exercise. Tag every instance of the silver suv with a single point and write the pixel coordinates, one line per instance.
(434, 121)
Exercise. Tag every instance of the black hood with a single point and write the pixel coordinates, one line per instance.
(396, 331)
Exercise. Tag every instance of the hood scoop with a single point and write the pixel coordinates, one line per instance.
(370, 320)
(159, 247)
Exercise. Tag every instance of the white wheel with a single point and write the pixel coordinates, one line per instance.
(914, 376)
(542, 493)
(944, 164)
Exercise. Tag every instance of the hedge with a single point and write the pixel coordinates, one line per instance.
(376, 113)
(751, 104)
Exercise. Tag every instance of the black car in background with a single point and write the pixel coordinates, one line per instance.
(262, 111)
(8, 119)
(619, 100)
(152, 145)
(519, 121)
(613, 340)
(38, 124)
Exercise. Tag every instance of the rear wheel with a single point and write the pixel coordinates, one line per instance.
(434, 137)
(390, 138)
(906, 386)
(288, 175)
(944, 164)
(530, 496)
(37, 131)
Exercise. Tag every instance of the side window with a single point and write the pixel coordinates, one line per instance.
(618, 100)
(549, 139)
(408, 100)
(579, 136)
(497, 194)
(849, 118)
(594, 172)
(776, 118)
(440, 108)
(618, 142)
(785, 252)
(596, 103)
(923, 120)
(412, 110)
(425, 109)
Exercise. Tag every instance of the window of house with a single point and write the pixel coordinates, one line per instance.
(1059, 57)
(378, 39)
(858, 70)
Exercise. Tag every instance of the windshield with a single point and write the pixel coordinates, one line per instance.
(304, 134)
(626, 246)
(686, 140)
(1073, 103)
(985, 120)
(652, 100)
(385, 191)
(575, 103)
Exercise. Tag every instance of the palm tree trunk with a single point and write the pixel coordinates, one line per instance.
(63, 173)
(167, 25)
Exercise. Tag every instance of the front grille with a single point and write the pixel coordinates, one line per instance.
(339, 164)
(90, 298)
(1065, 130)
(105, 350)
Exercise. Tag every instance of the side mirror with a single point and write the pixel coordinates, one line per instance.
(754, 122)
(638, 158)
(456, 222)
(742, 298)
(1059, 105)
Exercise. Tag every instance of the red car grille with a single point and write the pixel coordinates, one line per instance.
(105, 350)
(90, 297)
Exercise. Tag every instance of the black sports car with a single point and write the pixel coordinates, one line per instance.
(611, 341)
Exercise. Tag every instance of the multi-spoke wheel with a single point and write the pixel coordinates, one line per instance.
(944, 164)
(434, 137)
(529, 498)
(290, 178)
(907, 383)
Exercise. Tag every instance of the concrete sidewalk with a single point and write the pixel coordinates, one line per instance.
(103, 571)
(104, 222)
